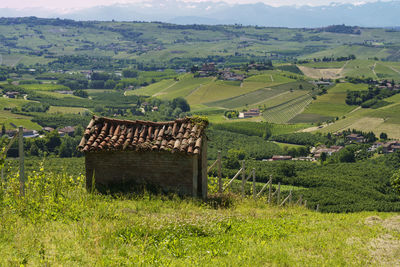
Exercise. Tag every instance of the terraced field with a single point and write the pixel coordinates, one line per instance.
(284, 112)
(331, 105)
(153, 88)
(248, 99)
(385, 119)
(265, 96)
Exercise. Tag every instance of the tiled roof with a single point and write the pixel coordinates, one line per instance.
(181, 135)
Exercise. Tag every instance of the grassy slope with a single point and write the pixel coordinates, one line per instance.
(6, 117)
(158, 231)
(385, 119)
(333, 103)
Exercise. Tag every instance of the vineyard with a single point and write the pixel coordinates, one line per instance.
(247, 99)
(284, 112)
(269, 95)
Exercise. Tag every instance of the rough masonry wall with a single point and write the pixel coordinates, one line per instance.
(171, 172)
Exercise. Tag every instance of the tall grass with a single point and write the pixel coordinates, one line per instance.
(58, 222)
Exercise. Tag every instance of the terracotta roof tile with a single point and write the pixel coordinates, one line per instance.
(181, 135)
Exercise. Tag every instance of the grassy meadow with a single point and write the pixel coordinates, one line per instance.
(58, 222)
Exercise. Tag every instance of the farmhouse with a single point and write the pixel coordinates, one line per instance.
(254, 112)
(278, 157)
(69, 130)
(391, 146)
(12, 94)
(170, 156)
(327, 150)
(355, 138)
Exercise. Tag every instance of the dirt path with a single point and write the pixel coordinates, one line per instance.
(342, 68)
(284, 93)
(162, 91)
(393, 69)
(194, 90)
(373, 70)
(16, 62)
(354, 110)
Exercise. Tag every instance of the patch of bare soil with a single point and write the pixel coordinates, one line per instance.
(321, 73)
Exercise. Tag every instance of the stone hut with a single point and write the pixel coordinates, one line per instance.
(171, 156)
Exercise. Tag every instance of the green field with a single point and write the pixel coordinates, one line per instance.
(153, 88)
(333, 103)
(56, 95)
(385, 119)
(45, 87)
(66, 110)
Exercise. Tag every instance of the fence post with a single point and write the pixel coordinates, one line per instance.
(243, 177)
(290, 197)
(278, 200)
(21, 159)
(254, 183)
(300, 200)
(305, 203)
(270, 189)
(219, 172)
(317, 209)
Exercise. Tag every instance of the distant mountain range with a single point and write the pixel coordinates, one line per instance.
(376, 14)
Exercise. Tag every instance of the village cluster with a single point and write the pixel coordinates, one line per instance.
(316, 153)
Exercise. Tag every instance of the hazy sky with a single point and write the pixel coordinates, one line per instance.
(77, 4)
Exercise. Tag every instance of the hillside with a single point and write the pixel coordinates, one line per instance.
(33, 40)
(62, 223)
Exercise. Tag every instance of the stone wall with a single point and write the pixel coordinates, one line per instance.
(169, 172)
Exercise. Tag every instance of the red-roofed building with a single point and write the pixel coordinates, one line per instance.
(170, 156)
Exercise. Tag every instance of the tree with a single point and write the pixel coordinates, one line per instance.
(176, 112)
(98, 109)
(100, 76)
(287, 169)
(67, 147)
(383, 136)
(233, 157)
(81, 93)
(110, 84)
(323, 157)
(52, 141)
(130, 73)
(267, 131)
(96, 84)
(395, 181)
(78, 131)
(34, 150)
(346, 155)
(181, 103)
